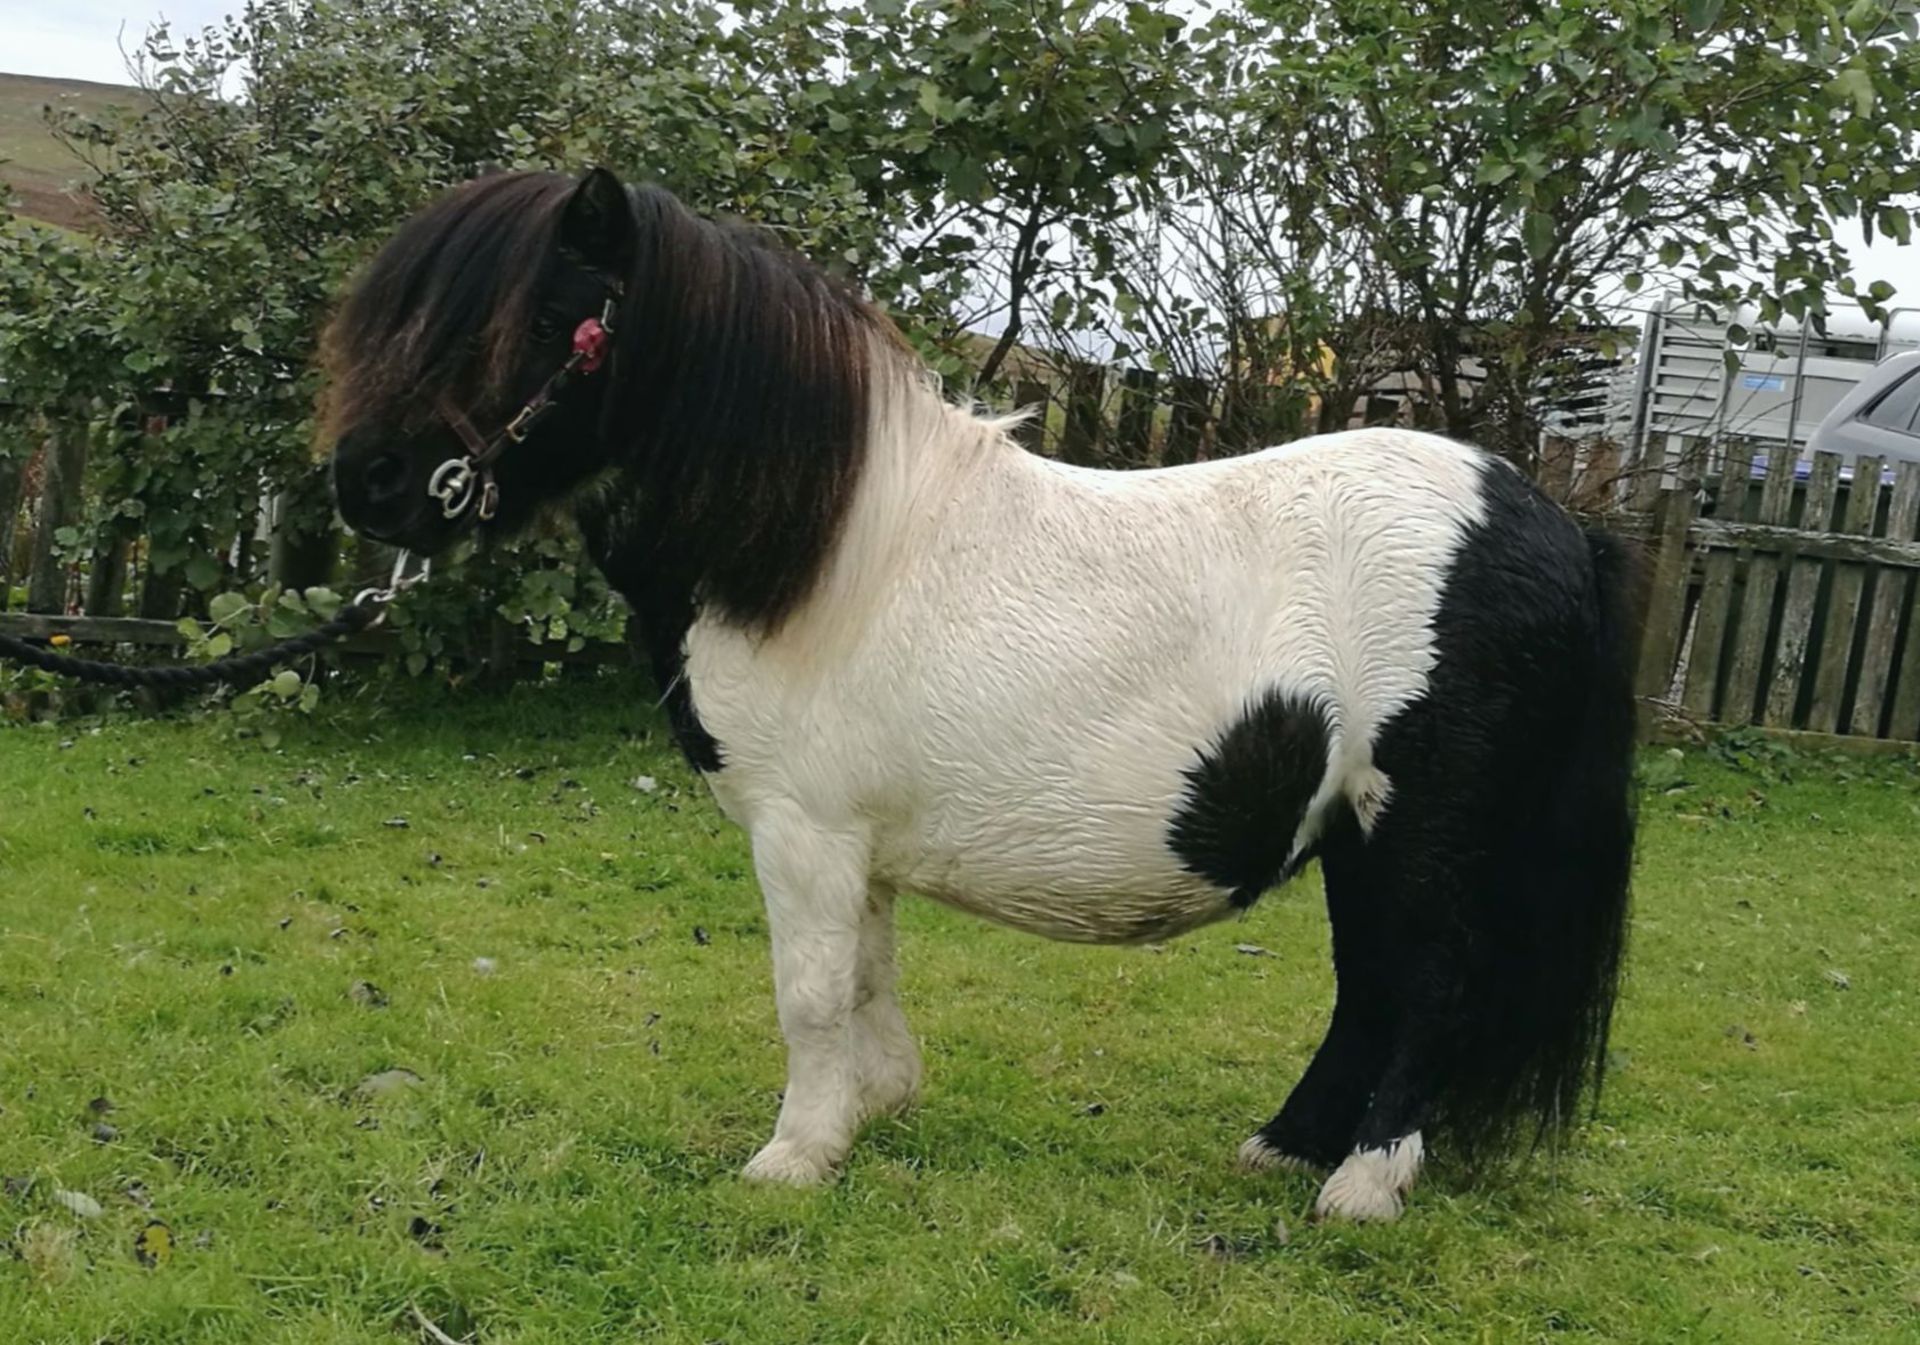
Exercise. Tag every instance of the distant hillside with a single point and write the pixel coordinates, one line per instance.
(42, 175)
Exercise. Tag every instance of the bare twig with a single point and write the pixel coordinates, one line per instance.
(428, 1329)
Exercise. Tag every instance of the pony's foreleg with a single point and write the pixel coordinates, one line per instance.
(815, 884)
(885, 1058)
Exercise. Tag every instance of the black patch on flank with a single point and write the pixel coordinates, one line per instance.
(1248, 794)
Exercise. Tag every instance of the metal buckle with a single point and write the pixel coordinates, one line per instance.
(453, 484)
(522, 422)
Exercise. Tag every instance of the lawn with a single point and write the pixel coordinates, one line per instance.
(215, 957)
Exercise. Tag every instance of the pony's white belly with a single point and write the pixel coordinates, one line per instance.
(1066, 867)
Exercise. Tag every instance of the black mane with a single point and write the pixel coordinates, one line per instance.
(743, 379)
(443, 306)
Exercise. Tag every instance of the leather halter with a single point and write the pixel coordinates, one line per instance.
(466, 483)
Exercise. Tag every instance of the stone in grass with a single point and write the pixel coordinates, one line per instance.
(78, 1203)
(485, 966)
(367, 995)
(385, 1083)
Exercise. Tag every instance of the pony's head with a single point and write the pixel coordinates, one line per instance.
(467, 367)
(731, 399)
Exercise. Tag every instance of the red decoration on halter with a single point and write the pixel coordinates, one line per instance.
(590, 344)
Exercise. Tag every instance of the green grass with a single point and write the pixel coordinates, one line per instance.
(184, 916)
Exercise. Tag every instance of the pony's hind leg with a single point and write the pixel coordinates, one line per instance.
(886, 1061)
(1316, 1126)
(815, 884)
(1394, 896)
(1387, 1149)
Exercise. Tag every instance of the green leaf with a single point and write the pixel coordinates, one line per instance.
(1854, 82)
(1538, 233)
(286, 685)
(324, 603)
(1702, 13)
(202, 571)
(226, 609)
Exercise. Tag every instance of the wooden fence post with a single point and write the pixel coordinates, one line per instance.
(1086, 389)
(1667, 591)
(1710, 621)
(1187, 425)
(1883, 621)
(60, 507)
(1756, 608)
(1843, 604)
(107, 579)
(1032, 432)
(1556, 467)
(13, 472)
(1803, 586)
(1133, 437)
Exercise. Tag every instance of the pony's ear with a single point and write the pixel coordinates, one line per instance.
(597, 223)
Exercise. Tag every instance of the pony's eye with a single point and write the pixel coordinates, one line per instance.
(545, 328)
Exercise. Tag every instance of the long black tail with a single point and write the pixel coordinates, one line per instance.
(1549, 928)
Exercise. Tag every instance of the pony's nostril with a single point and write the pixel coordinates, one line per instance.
(386, 478)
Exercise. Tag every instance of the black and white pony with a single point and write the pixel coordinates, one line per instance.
(1106, 707)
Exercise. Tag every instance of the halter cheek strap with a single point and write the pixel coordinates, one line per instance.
(465, 484)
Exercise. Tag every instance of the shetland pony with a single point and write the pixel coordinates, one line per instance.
(1106, 707)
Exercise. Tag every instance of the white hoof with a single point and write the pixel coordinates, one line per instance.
(789, 1164)
(1256, 1155)
(1368, 1187)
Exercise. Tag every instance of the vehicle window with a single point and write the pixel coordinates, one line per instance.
(1897, 406)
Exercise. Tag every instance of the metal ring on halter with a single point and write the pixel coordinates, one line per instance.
(453, 484)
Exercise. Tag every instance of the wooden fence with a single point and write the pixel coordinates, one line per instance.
(1778, 597)
(1786, 598)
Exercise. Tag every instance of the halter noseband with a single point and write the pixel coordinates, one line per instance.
(466, 483)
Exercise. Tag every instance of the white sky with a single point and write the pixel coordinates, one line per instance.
(82, 39)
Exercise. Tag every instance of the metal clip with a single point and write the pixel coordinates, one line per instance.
(397, 583)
